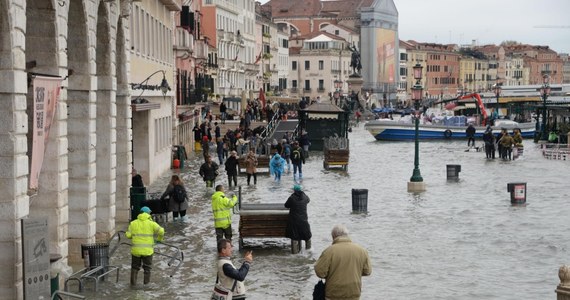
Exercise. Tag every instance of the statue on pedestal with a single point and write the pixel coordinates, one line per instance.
(355, 62)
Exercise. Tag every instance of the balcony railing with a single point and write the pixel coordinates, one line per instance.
(201, 50)
(307, 90)
(184, 40)
(320, 90)
(294, 90)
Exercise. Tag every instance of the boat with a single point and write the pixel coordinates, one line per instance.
(446, 128)
(392, 130)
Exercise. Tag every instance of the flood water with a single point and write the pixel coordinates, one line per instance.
(458, 240)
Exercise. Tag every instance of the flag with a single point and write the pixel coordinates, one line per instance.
(258, 58)
(262, 97)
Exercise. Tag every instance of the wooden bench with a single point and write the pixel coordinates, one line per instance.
(262, 163)
(336, 157)
(264, 220)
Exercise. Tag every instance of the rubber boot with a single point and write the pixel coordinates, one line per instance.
(308, 244)
(134, 274)
(146, 278)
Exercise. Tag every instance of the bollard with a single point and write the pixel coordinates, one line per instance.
(518, 192)
(359, 200)
(453, 171)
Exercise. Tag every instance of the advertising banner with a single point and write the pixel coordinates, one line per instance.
(46, 95)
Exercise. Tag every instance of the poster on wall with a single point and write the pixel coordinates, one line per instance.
(386, 55)
(46, 95)
(36, 262)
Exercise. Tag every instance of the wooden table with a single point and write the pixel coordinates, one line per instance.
(263, 220)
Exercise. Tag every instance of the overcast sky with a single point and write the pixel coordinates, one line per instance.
(486, 21)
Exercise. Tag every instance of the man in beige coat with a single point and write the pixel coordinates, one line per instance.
(342, 265)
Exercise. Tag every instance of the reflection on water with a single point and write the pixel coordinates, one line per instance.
(458, 240)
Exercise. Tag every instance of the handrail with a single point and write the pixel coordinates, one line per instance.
(119, 243)
(178, 256)
(268, 130)
(58, 292)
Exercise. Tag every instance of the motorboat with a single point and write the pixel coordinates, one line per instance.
(400, 130)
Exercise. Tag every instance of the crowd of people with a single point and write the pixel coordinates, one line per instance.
(504, 143)
(342, 264)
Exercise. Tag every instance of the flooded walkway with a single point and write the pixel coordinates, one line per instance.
(458, 240)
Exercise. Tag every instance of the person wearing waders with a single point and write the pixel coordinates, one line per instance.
(142, 232)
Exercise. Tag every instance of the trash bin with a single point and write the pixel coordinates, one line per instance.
(359, 200)
(518, 192)
(95, 255)
(453, 171)
(137, 195)
(54, 274)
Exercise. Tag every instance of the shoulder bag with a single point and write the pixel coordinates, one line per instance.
(222, 293)
(319, 291)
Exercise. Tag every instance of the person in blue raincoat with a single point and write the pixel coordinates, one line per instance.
(277, 166)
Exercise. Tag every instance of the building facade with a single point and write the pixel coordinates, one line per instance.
(82, 187)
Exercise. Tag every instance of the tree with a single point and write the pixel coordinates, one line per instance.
(472, 52)
(508, 43)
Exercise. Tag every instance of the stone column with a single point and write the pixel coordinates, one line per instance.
(124, 154)
(563, 289)
(13, 177)
(106, 157)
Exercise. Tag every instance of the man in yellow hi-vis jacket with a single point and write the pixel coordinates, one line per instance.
(222, 209)
(143, 232)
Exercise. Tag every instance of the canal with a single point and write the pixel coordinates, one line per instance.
(458, 240)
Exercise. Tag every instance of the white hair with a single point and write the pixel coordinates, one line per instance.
(339, 230)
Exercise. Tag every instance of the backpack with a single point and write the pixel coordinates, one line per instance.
(178, 194)
(287, 151)
(296, 154)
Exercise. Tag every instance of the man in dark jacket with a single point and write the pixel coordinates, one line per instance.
(209, 171)
(298, 227)
(489, 140)
(232, 168)
(470, 132)
(197, 137)
(223, 110)
(297, 159)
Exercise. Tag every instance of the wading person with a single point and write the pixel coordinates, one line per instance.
(251, 167)
(489, 140)
(342, 265)
(222, 210)
(142, 233)
(277, 166)
(297, 159)
(470, 133)
(227, 274)
(298, 227)
(232, 168)
(177, 198)
(209, 171)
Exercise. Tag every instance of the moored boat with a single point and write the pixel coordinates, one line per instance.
(390, 130)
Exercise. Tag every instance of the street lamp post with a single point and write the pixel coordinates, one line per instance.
(544, 92)
(416, 183)
(497, 89)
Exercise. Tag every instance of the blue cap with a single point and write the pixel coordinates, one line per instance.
(145, 209)
(297, 187)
